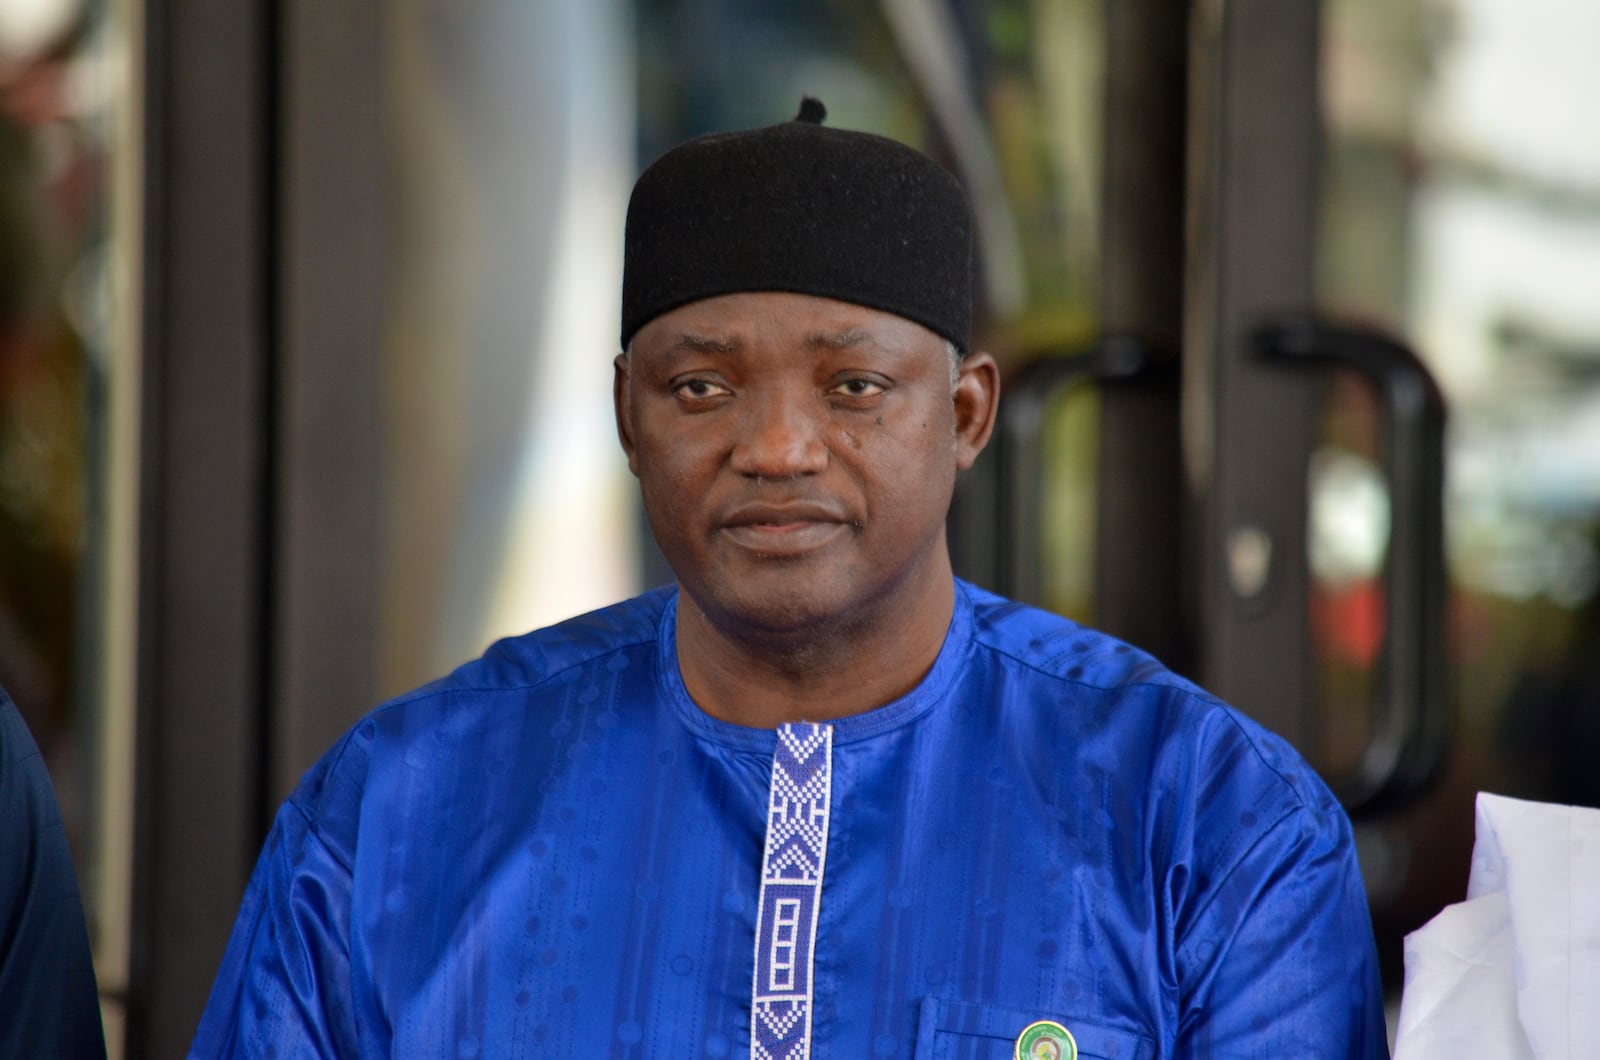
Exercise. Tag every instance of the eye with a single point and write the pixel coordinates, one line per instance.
(857, 387)
(699, 389)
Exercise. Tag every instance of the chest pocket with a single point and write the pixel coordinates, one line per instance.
(959, 1030)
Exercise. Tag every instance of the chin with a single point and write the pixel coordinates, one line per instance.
(801, 609)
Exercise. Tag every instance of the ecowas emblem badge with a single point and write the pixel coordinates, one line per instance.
(1045, 1040)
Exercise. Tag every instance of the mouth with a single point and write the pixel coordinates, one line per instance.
(784, 530)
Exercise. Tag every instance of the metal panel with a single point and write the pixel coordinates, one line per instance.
(204, 464)
(329, 275)
(1247, 427)
(1140, 592)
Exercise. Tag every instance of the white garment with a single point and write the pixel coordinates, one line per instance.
(1514, 971)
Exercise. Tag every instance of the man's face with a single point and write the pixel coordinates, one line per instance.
(797, 456)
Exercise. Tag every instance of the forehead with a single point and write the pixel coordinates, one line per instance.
(747, 320)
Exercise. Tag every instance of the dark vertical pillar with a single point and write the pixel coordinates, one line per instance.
(203, 502)
(330, 201)
(1139, 590)
(259, 465)
(1249, 426)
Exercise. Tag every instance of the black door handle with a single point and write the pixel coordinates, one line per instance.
(1411, 721)
(1018, 465)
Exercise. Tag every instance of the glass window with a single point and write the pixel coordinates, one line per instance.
(68, 441)
(1462, 209)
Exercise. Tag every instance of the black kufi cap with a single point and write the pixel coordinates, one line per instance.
(804, 208)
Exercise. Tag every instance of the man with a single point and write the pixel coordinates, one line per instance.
(818, 798)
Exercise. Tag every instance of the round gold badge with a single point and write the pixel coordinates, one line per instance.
(1045, 1040)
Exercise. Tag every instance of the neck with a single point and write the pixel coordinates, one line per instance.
(813, 675)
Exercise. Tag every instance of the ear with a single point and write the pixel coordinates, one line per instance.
(623, 408)
(977, 404)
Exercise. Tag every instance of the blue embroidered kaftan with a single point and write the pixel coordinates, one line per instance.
(554, 852)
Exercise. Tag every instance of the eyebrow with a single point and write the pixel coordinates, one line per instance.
(841, 340)
(829, 340)
(705, 344)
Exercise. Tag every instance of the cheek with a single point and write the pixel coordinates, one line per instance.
(912, 477)
(667, 485)
(675, 478)
(671, 520)
(669, 453)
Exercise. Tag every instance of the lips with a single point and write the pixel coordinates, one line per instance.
(789, 529)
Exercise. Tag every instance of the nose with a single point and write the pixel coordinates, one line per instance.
(780, 436)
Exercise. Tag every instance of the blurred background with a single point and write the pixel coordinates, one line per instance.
(307, 312)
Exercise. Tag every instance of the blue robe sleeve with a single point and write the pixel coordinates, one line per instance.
(284, 988)
(49, 1004)
(1274, 955)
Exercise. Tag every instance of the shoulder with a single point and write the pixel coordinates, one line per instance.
(1060, 648)
(532, 659)
(477, 705)
(47, 989)
(27, 797)
(17, 751)
(1220, 779)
